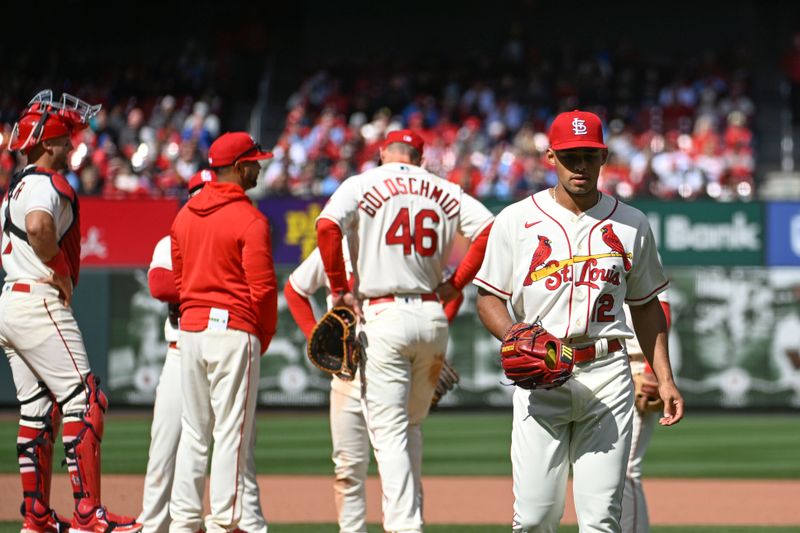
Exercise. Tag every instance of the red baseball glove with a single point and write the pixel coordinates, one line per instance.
(533, 358)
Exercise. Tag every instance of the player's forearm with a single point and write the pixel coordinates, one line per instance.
(493, 313)
(329, 241)
(650, 326)
(472, 260)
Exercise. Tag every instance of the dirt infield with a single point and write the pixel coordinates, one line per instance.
(470, 500)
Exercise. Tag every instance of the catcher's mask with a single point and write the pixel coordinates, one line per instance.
(45, 118)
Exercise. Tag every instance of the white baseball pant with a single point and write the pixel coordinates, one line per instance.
(219, 378)
(406, 341)
(587, 423)
(635, 518)
(350, 457)
(42, 341)
(165, 433)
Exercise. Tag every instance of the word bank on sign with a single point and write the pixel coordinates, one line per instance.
(579, 126)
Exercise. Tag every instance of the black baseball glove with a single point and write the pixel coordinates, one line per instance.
(333, 347)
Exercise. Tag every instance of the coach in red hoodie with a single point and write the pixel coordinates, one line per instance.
(222, 263)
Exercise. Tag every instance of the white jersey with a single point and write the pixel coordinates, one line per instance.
(162, 258)
(35, 192)
(572, 272)
(406, 220)
(633, 346)
(308, 278)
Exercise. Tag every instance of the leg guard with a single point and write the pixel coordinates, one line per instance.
(35, 453)
(83, 432)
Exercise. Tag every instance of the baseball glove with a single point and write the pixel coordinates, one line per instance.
(333, 347)
(532, 358)
(448, 377)
(645, 387)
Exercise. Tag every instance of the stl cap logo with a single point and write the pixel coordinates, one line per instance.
(579, 126)
(407, 138)
(205, 175)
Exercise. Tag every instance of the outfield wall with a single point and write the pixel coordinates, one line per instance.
(735, 294)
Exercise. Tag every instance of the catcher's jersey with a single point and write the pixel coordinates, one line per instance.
(572, 272)
(35, 192)
(162, 258)
(632, 344)
(308, 278)
(406, 220)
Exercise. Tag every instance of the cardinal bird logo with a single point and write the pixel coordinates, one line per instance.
(539, 257)
(613, 242)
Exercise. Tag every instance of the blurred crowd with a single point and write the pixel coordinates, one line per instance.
(147, 149)
(674, 129)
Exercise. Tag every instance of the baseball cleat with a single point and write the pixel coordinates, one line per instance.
(102, 521)
(50, 522)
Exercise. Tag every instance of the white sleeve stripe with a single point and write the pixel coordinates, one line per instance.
(639, 301)
(33, 208)
(481, 228)
(297, 289)
(491, 288)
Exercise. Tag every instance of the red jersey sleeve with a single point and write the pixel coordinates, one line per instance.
(177, 260)
(472, 260)
(329, 240)
(162, 285)
(259, 272)
(300, 308)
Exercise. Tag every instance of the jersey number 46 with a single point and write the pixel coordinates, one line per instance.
(423, 240)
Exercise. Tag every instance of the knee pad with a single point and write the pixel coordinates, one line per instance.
(40, 419)
(83, 432)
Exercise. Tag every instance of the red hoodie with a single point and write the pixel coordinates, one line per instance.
(222, 258)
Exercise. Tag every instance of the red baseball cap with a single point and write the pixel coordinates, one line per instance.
(406, 137)
(576, 129)
(235, 146)
(199, 179)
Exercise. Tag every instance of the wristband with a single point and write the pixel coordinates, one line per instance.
(59, 264)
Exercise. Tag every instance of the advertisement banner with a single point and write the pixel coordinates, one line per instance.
(736, 335)
(293, 225)
(123, 233)
(783, 233)
(735, 343)
(706, 232)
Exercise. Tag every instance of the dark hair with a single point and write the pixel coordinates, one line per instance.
(407, 150)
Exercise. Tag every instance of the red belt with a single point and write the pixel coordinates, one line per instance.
(21, 287)
(584, 355)
(173, 345)
(35, 289)
(429, 297)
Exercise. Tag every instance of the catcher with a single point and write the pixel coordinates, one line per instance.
(333, 348)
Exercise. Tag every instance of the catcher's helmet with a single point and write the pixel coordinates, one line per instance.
(45, 118)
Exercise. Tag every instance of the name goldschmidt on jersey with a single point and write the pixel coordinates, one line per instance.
(376, 197)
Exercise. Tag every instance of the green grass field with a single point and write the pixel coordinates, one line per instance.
(716, 446)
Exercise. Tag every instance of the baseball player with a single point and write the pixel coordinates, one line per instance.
(40, 246)
(348, 428)
(165, 431)
(223, 270)
(570, 257)
(405, 220)
(635, 518)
